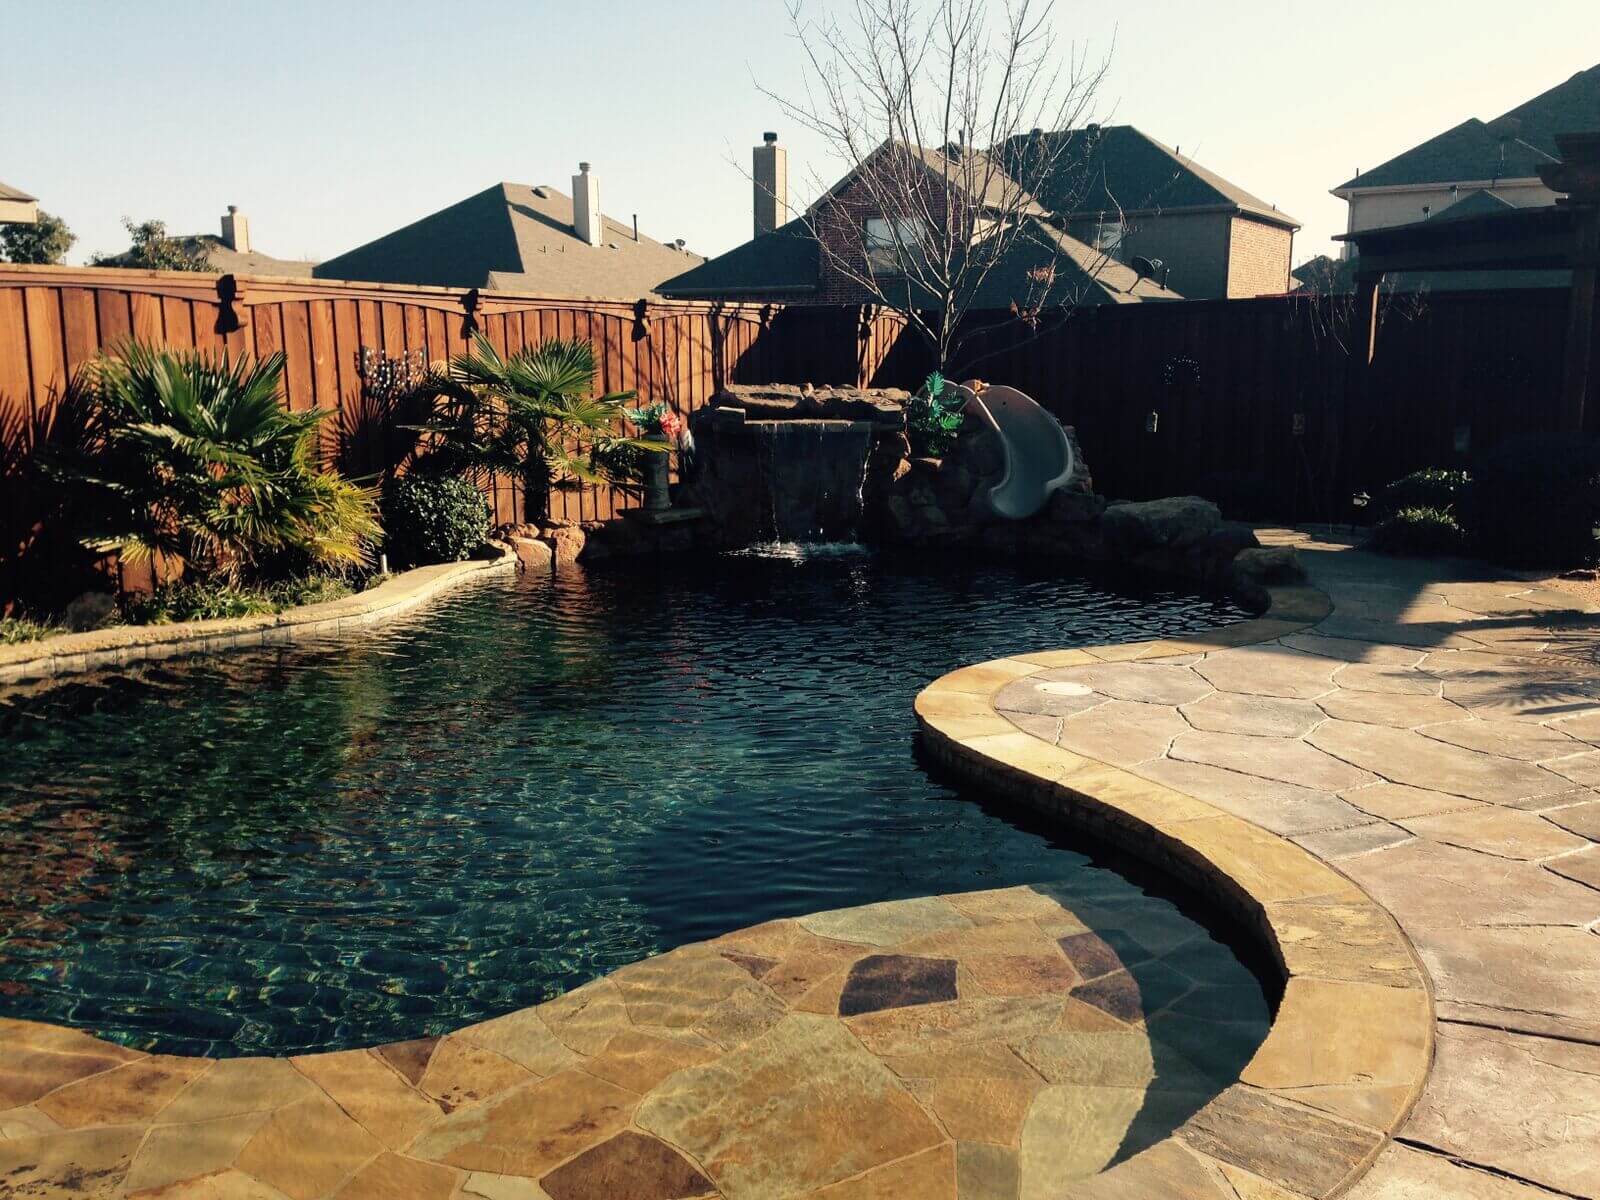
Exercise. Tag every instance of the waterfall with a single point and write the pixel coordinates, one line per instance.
(814, 475)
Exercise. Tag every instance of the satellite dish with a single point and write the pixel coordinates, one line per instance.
(1149, 268)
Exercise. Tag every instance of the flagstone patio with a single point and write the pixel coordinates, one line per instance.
(1434, 738)
(1422, 753)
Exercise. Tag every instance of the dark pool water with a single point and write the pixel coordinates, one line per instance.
(522, 788)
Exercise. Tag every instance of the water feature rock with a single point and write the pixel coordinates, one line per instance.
(1074, 507)
(533, 554)
(1177, 522)
(1269, 564)
(789, 479)
(566, 544)
(781, 401)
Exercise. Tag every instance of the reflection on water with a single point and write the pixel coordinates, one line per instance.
(524, 787)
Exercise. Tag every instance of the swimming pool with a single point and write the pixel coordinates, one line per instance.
(521, 788)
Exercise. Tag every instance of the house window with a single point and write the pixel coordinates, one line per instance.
(884, 234)
(1108, 238)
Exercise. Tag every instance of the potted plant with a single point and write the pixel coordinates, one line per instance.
(659, 424)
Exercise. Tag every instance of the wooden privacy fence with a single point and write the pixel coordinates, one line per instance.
(1266, 402)
(52, 319)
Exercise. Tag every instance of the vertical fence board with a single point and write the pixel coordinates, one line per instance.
(47, 357)
(148, 325)
(299, 384)
(177, 320)
(80, 327)
(16, 382)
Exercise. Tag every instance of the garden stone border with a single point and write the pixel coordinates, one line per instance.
(1346, 1059)
(121, 645)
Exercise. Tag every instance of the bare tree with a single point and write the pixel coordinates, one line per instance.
(904, 92)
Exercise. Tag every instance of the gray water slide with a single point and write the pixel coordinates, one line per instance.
(1038, 453)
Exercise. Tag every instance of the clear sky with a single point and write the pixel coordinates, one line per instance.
(333, 122)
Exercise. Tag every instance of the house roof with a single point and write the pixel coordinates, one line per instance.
(1512, 146)
(787, 259)
(11, 193)
(225, 260)
(1001, 193)
(1111, 168)
(1083, 275)
(1474, 204)
(787, 263)
(514, 236)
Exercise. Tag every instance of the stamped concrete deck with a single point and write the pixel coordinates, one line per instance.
(1424, 750)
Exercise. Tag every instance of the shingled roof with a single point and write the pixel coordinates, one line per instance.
(1474, 204)
(224, 259)
(787, 264)
(514, 237)
(1106, 169)
(1512, 146)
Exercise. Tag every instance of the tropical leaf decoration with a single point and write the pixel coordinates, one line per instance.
(933, 418)
(196, 457)
(533, 415)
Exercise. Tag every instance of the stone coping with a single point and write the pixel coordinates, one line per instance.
(120, 645)
(1352, 1042)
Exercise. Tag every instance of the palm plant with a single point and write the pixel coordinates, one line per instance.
(197, 458)
(534, 416)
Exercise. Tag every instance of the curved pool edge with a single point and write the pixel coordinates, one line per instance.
(123, 645)
(1346, 1059)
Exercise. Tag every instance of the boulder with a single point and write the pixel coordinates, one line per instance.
(1176, 522)
(533, 554)
(566, 543)
(89, 611)
(1211, 558)
(1071, 507)
(1264, 566)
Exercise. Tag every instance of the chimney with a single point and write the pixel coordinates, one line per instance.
(586, 220)
(236, 230)
(770, 171)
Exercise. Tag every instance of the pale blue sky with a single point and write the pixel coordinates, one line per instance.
(330, 123)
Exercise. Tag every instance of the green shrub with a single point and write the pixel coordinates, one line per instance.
(20, 629)
(1419, 530)
(434, 518)
(211, 600)
(179, 454)
(1535, 500)
(933, 418)
(1433, 488)
(521, 415)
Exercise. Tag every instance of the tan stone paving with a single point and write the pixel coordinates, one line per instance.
(927, 1047)
(1448, 772)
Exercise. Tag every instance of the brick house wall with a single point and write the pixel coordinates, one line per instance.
(840, 225)
(1193, 246)
(1258, 259)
